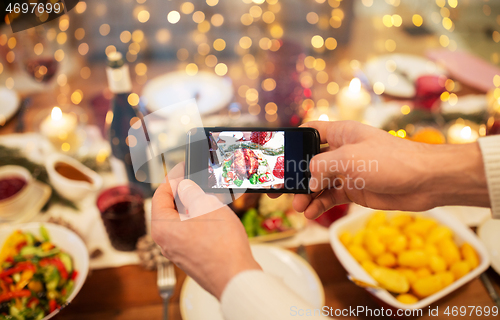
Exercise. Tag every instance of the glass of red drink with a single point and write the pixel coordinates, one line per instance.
(122, 212)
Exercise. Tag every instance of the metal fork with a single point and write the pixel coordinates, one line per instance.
(166, 283)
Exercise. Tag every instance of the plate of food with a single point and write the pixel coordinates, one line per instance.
(413, 259)
(42, 269)
(295, 272)
(398, 72)
(211, 92)
(267, 219)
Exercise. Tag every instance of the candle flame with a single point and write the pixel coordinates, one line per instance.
(466, 132)
(56, 113)
(324, 117)
(355, 85)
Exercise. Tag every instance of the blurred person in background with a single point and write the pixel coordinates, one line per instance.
(411, 176)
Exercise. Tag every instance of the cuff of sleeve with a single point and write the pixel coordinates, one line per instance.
(254, 294)
(490, 148)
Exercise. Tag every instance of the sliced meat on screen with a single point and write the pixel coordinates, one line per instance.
(245, 162)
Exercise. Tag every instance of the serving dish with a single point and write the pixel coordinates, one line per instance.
(64, 239)
(70, 188)
(461, 234)
(28, 201)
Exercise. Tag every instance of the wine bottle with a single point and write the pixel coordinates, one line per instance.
(123, 114)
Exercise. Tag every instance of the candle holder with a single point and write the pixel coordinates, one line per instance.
(62, 126)
(352, 101)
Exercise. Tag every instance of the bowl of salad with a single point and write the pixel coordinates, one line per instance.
(42, 268)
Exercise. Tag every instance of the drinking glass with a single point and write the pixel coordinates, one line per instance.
(122, 212)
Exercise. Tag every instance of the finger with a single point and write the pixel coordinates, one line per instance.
(325, 202)
(339, 133)
(175, 176)
(301, 201)
(163, 201)
(195, 200)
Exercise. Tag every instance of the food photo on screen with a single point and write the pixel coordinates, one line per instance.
(246, 159)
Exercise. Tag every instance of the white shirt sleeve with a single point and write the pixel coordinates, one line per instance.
(255, 295)
(490, 148)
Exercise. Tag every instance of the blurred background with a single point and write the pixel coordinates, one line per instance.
(72, 87)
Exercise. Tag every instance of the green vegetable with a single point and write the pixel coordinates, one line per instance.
(29, 251)
(238, 182)
(44, 233)
(66, 260)
(51, 277)
(69, 288)
(30, 239)
(44, 254)
(248, 221)
(38, 252)
(261, 231)
(254, 179)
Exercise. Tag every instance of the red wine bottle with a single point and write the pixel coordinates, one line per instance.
(123, 112)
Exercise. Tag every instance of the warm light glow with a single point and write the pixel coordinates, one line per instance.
(466, 132)
(173, 17)
(187, 7)
(220, 69)
(317, 41)
(355, 85)
(417, 20)
(405, 109)
(378, 88)
(143, 16)
(324, 117)
(133, 99)
(496, 80)
(56, 114)
(219, 44)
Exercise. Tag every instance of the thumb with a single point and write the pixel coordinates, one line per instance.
(195, 200)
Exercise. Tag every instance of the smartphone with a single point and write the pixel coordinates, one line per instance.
(252, 160)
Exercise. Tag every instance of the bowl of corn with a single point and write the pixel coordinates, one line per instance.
(416, 258)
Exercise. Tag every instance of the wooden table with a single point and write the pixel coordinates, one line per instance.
(130, 292)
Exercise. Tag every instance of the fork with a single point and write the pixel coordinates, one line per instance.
(166, 283)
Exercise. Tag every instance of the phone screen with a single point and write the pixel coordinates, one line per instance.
(247, 159)
(255, 160)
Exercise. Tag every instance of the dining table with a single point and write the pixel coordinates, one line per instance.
(130, 292)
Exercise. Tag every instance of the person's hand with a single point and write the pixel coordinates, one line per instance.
(211, 248)
(372, 168)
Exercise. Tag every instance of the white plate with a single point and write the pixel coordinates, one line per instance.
(297, 274)
(9, 104)
(62, 238)
(471, 103)
(489, 233)
(397, 85)
(357, 220)
(211, 92)
(39, 195)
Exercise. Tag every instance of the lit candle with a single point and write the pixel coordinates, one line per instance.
(352, 101)
(461, 133)
(59, 128)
